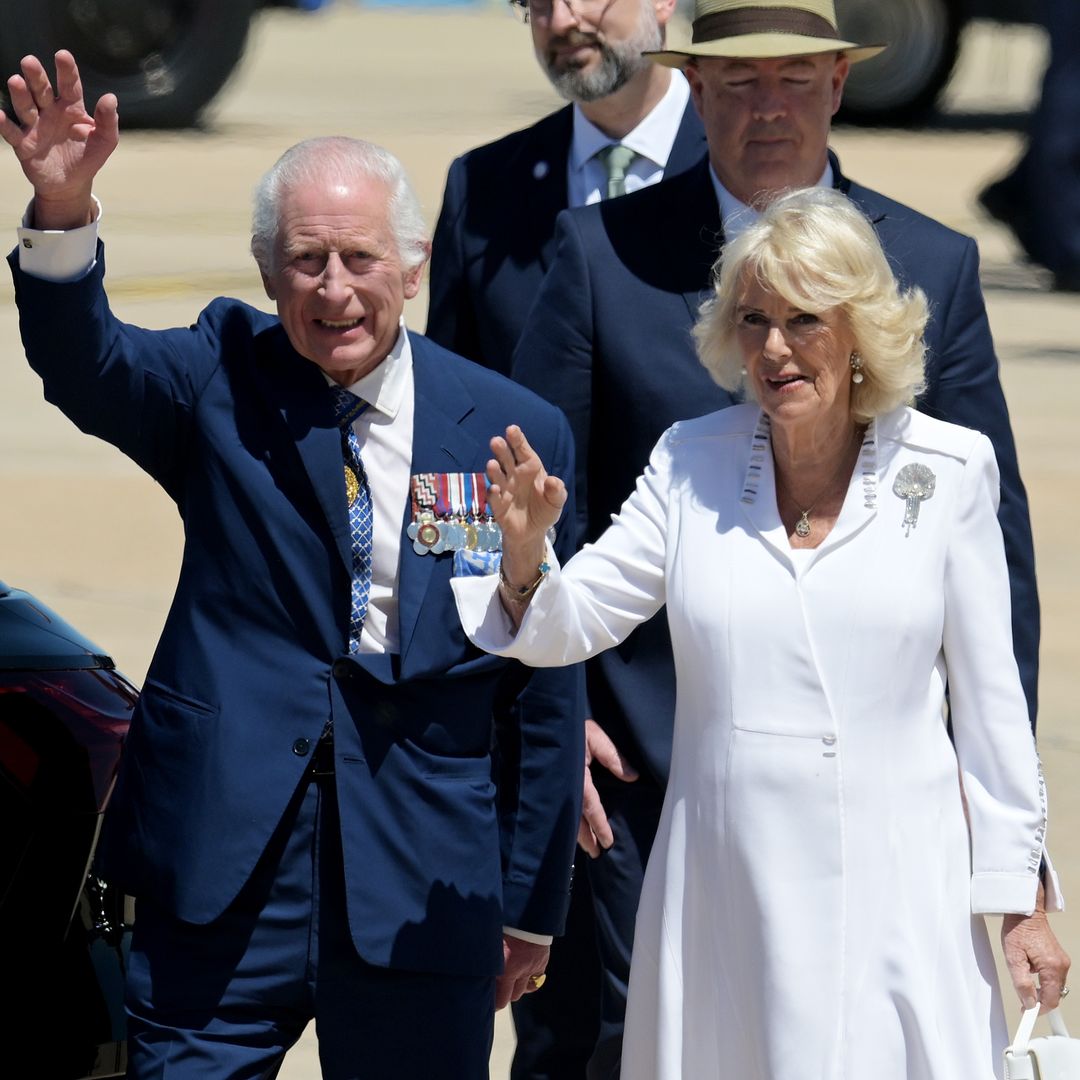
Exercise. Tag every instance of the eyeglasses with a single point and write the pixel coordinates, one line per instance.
(540, 10)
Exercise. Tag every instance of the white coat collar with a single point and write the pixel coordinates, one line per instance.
(759, 496)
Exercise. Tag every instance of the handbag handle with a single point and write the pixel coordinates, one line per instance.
(1027, 1025)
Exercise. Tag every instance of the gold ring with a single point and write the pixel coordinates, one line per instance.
(536, 981)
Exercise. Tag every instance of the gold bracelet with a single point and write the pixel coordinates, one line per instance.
(521, 594)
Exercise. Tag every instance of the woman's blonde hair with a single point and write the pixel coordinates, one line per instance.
(816, 250)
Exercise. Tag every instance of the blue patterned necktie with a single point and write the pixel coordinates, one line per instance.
(347, 407)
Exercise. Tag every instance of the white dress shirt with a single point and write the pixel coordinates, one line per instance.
(736, 216)
(651, 140)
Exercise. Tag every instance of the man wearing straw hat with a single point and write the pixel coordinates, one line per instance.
(608, 340)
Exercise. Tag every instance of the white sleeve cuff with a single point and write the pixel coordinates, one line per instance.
(524, 935)
(485, 621)
(56, 254)
(1053, 897)
(1000, 893)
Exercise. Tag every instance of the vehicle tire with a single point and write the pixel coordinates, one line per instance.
(899, 85)
(164, 59)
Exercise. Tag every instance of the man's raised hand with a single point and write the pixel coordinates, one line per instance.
(60, 146)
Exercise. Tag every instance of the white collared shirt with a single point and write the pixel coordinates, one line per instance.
(384, 430)
(651, 140)
(736, 216)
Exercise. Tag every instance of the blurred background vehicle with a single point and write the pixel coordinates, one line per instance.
(167, 59)
(900, 85)
(64, 712)
(164, 59)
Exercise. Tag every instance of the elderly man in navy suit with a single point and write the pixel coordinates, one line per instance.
(609, 341)
(629, 124)
(306, 811)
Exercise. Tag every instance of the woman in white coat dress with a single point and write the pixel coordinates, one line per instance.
(829, 560)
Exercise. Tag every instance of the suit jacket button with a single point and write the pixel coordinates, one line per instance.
(301, 747)
(341, 669)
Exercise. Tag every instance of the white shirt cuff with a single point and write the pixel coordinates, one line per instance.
(524, 935)
(56, 254)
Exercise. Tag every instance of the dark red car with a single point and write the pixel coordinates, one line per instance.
(64, 712)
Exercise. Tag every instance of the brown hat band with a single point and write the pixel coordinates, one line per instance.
(761, 20)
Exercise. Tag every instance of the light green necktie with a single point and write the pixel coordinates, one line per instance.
(616, 159)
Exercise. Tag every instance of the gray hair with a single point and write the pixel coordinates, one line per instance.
(818, 251)
(338, 158)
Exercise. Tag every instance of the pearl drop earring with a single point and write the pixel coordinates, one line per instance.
(856, 368)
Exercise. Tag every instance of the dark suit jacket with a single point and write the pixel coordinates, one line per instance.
(239, 430)
(495, 236)
(609, 342)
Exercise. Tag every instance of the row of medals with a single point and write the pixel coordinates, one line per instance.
(457, 533)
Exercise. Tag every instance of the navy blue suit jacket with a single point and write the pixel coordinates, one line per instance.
(609, 342)
(495, 236)
(252, 662)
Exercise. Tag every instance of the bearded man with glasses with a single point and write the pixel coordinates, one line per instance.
(629, 124)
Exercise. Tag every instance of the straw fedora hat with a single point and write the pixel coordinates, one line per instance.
(763, 29)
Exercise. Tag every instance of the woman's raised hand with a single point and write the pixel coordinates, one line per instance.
(525, 501)
(60, 146)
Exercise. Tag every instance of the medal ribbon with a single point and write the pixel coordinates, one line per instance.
(442, 502)
(424, 493)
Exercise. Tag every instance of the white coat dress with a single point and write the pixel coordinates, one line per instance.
(812, 908)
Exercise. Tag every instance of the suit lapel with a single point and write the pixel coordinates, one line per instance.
(856, 192)
(689, 145)
(697, 231)
(758, 496)
(860, 503)
(297, 390)
(541, 181)
(441, 445)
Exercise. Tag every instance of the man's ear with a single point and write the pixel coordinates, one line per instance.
(415, 274)
(839, 77)
(694, 79)
(268, 284)
(664, 10)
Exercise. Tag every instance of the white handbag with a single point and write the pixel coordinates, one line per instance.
(1049, 1057)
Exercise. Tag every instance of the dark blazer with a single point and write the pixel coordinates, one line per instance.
(239, 430)
(609, 342)
(495, 236)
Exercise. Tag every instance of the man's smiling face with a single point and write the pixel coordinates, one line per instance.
(337, 275)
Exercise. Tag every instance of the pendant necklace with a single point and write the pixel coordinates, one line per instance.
(802, 526)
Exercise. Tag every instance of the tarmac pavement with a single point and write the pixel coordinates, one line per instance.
(87, 532)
